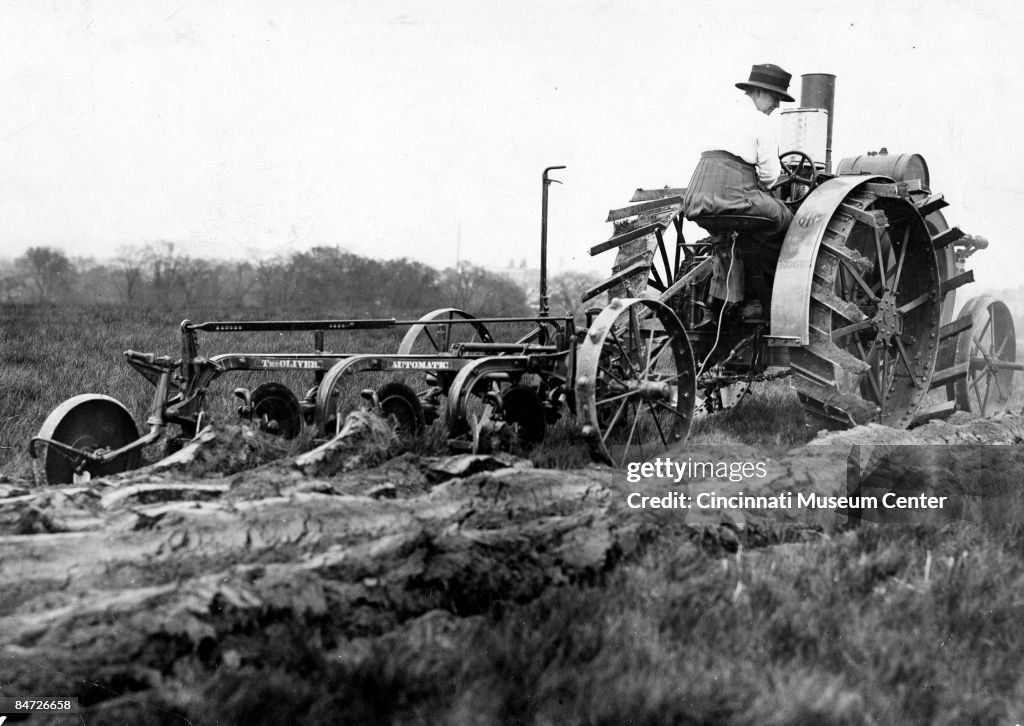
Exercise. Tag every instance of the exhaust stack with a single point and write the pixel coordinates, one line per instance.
(818, 90)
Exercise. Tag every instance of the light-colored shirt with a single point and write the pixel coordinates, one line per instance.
(741, 129)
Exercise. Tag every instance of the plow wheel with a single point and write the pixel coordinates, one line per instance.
(874, 314)
(635, 386)
(90, 422)
(439, 338)
(987, 352)
(276, 410)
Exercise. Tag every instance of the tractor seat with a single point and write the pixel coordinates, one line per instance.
(725, 223)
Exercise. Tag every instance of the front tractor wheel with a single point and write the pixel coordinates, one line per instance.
(635, 385)
(986, 352)
(874, 316)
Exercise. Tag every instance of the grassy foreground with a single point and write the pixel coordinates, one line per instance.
(882, 626)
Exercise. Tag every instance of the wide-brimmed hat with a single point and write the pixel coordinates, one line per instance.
(769, 78)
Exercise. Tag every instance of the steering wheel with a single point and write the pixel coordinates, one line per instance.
(791, 175)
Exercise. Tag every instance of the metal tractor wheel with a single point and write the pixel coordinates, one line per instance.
(93, 423)
(276, 410)
(635, 385)
(873, 315)
(988, 352)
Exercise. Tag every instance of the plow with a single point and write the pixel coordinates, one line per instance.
(861, 323)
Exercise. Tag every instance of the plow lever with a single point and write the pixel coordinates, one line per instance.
(545, 183)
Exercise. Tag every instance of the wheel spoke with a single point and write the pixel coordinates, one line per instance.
(629, 438)
(902, 256)
(859, 280)
(655, 280)
(999, 387)
(981, 350)
(886, 383)
(625, 355)
(611, 375)
(852, 328)
(657, 423)
(645, 372)
(431, 339)
(870, 372)
(655, 356)
(612, 399)
(614, 421)
(915, 303)
(975, 382)
(988, 324)
(998, 354)
(881, 260)
(906, 360)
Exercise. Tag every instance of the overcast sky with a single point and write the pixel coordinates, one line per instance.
(261, 127)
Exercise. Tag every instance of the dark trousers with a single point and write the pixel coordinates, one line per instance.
(760, 255)
(723, 183)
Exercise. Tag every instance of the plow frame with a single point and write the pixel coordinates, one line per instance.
(547, 352)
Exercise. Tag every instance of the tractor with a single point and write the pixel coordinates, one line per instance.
(861, 316)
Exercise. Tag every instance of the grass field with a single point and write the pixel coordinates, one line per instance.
(887, 626)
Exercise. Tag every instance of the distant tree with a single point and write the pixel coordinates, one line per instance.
(47, 271)
(131, 264)
(237, 280)
(409, 288)
(96, 282)
(482, 293)
(274, 287)
(12, 287)
(566, 289)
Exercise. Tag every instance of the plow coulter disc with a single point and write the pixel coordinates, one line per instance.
(400, 405)
(276, 410)
(874, 314)
(522, 407)
(90, 422)
(635, 385)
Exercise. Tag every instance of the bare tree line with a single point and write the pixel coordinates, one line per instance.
(326, 279)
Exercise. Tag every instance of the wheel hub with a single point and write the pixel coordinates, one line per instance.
(888, 321)
(651, 390)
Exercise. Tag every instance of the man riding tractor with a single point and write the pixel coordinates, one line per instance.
(739, 163)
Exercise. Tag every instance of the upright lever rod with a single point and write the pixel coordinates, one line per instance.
(544, 311)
